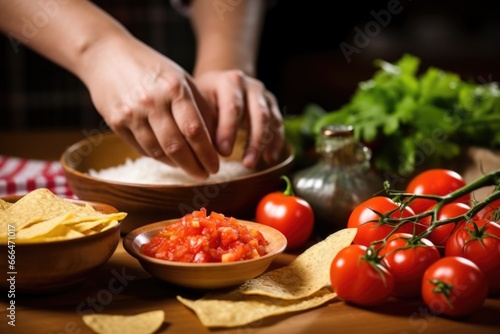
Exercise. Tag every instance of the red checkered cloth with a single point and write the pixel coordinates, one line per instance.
(19, 176)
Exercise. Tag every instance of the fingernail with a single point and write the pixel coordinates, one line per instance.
(249, 160)
(225, 148)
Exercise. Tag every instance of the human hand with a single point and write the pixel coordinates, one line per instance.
(152, 103)
(243, 102)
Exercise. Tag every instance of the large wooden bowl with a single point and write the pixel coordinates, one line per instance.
(204, 275)
(46, 267)
(148, 203)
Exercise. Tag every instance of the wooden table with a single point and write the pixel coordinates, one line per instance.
(139, 292)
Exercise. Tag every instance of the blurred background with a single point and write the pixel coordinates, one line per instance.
(311, 52)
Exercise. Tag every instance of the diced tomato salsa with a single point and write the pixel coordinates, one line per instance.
(200, 238)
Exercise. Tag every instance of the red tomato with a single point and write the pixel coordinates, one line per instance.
(491, 211)
(454, 286)
(440, 234)
(407, 260)
(199, 237)
(289, 214)
(365, 218)
(481, 245)
(358, 280)
(438, 182)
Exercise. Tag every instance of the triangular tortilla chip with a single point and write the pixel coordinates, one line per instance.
(142, 323)
(305, 275)
(235, 309)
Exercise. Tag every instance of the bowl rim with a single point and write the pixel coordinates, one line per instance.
(14, 198)
(131, 237)
(67, 169)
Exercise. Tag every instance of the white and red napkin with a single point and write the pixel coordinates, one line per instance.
(19, 176)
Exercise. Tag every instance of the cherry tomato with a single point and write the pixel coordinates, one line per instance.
(454, 286)
(438, 182)
(407, 261)
(289, 214)
(440, 234)
(491, 211)
(365, 217)
(479, 241)
(357, 279)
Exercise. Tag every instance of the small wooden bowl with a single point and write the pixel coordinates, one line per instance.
(46, 267)
(204, 275)
(149, 203)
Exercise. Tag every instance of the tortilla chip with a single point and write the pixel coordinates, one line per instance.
(42, 216)
(4, 204)
(39, 205)
(62, 232)
(4, 223)
(305, 275)
(43, 228)
(235, 309)
(107, 227)
(142, 323)
(83, 224)
(299, 286)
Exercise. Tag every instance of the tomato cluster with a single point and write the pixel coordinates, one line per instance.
(432, 241)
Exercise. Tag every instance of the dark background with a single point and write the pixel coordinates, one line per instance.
(300, 58)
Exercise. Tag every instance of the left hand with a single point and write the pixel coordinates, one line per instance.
(244, 102)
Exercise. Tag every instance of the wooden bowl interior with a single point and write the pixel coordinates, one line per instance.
(108, 150)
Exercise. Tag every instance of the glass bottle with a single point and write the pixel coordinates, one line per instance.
(340, 180)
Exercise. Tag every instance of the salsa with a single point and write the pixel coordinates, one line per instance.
(202, 238)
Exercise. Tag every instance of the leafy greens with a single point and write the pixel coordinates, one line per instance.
(413, 118)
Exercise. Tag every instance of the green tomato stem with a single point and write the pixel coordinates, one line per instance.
(444, 289)
(289, 190)
(492, 178)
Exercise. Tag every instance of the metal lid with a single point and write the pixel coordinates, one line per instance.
(337, 130)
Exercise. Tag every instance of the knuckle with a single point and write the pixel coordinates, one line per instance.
(145, 99)
(156, 153)
(257, 85)
(235, 76)
(235, 107)
(193, 130)
(121, 117)
(263, 112)
(173, 87)
(173, 148)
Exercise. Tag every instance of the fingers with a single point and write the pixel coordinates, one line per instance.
(258, 109)
(243, 101)
(144, 142)
(208, 112)
(276, 131)
(166, 124)
(193, 136)
(231, 104)
(266, 128)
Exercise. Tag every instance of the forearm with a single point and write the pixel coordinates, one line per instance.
(64, 31)
(227, 37)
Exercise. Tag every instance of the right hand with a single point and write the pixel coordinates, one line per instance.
(153, 104)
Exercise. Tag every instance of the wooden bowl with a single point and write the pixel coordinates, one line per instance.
(204, 275)
(46, 267)
(148, 203)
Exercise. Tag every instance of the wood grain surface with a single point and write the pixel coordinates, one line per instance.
(121, 286)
